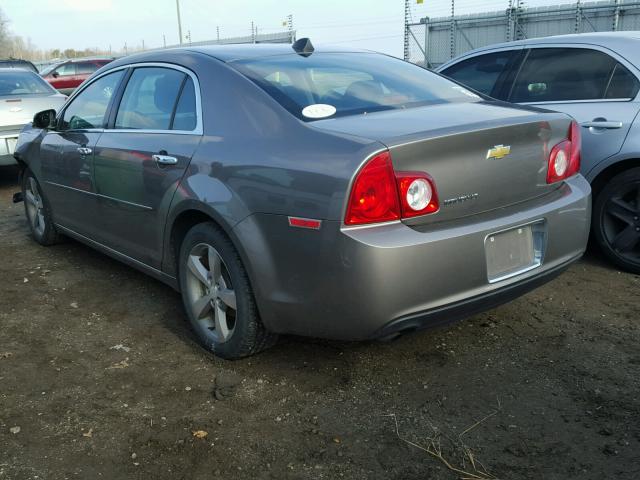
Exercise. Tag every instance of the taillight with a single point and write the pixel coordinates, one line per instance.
(374, 197)
(418, 194)
(379, 194)
(564, 159)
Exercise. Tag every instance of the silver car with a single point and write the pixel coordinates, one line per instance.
(22, 94)
(595, 78)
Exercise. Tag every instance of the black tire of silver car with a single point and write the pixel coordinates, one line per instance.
(616, 220)
(217, 295)
(38, 211)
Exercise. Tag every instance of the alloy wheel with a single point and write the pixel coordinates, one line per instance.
(621, 222)
(35, 207)
(212, 299)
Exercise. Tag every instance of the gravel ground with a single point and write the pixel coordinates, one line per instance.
(100, 377)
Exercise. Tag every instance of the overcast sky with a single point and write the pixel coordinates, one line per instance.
(79, 24)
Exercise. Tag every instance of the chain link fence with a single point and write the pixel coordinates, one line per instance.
(432, 41)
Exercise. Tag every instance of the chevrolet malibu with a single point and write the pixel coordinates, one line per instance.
(319, 192)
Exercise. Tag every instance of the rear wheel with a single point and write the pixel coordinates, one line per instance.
(217, 295)
(616, 220)
(38, 211)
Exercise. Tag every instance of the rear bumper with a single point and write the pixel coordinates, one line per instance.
(471, 306)
(367, 282)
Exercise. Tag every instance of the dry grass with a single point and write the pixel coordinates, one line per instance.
(475, 471)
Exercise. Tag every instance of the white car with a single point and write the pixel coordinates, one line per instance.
(22, 94)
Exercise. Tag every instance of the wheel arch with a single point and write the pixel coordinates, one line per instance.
(182, 221)
(606, 174)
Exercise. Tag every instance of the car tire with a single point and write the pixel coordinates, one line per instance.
(616, 220)
(213, 281)
(38, 211)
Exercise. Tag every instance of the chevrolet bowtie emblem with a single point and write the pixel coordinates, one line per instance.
(498, 152)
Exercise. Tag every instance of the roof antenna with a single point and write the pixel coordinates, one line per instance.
(303, 47)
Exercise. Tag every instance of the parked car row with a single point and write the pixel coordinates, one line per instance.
(23, 93)
(323, 192)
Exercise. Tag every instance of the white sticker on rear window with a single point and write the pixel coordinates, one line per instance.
(318, 110)
(466, 92)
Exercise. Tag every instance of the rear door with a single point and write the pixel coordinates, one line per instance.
(66, 155)
(141, 158)
(84, 71)
(588, 83)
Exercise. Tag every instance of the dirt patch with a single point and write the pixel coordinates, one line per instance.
(101, 374)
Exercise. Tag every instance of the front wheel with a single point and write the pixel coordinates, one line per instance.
(38, 211)
(217, 295)
(616, 220)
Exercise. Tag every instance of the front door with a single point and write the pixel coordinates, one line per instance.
(67, 170)
(140, 161)
(66, 155)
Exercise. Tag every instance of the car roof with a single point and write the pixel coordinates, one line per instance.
(88, 59)
(625, 43)
(231, 52)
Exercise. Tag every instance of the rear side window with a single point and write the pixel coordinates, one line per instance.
(337, 84)
(480, 73)
(185, 117)
(149, 99)
(563, 74)
(623, 84)
(85, 68)
(88, 109)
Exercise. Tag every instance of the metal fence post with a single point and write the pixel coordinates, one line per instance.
(452, 30)
(578, 24)
(426, 42)
(616, 16)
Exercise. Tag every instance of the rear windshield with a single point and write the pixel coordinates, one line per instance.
(16, 83)
(339, 84)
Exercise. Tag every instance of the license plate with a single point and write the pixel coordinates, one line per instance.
(513, 252)
(11, 144)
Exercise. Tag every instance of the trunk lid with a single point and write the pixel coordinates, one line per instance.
(18, 111)
(482, 156)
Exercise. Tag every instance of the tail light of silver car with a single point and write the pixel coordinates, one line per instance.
(564, 159)
(379, 194)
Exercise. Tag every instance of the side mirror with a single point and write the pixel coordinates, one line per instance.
(55, 74)
(45, 119)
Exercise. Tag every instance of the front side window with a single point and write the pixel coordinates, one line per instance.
(66, 69)
(480, 73)
(338, 84)
(563, 74)
(149, 99)
(88, 109)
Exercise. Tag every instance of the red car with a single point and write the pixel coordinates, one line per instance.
(67, 76)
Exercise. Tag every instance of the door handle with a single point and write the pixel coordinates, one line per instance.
(165, 160)
(602, 124)
(84, 151)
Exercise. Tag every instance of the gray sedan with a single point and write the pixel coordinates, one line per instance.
(22, 94)
(595, 78)
(329, 193)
